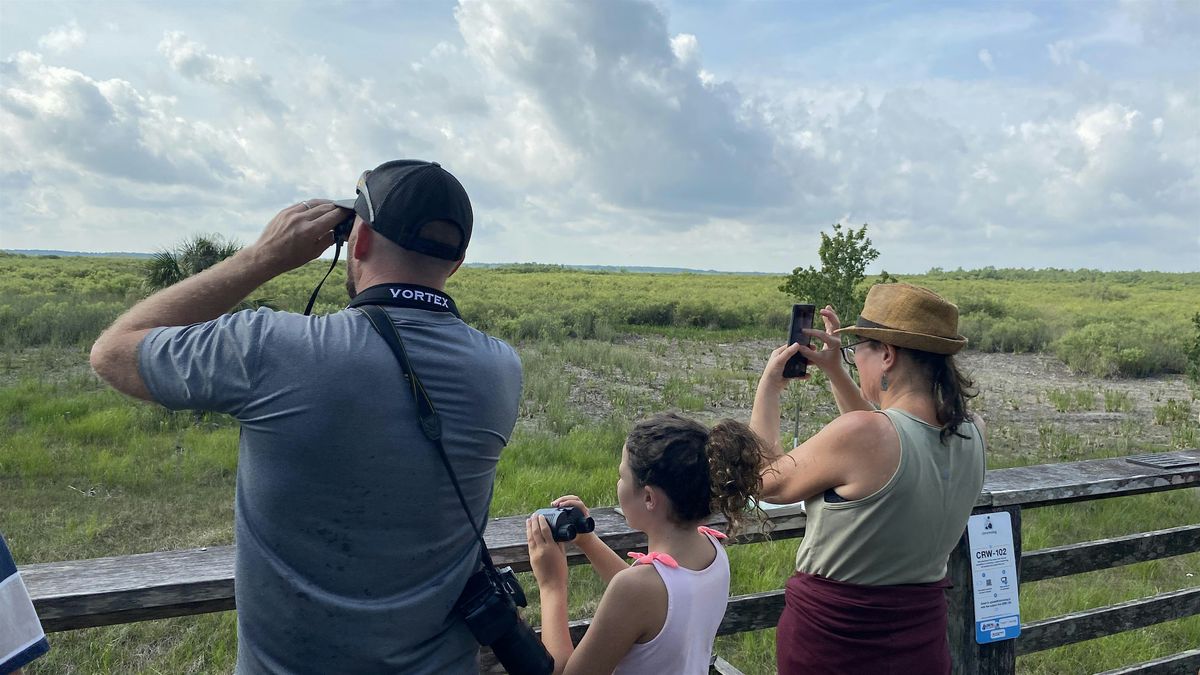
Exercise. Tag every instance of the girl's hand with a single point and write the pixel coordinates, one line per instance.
(583, 539)
(547, 557)
(566, 501)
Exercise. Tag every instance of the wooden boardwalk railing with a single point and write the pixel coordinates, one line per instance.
(105, 591)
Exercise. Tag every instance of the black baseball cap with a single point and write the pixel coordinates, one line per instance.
(399, 198)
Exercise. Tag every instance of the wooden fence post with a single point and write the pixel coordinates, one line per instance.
(966, 656)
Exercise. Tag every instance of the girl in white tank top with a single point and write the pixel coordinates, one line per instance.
(661, 614)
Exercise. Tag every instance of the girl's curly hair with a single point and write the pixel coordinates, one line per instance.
(701, 470)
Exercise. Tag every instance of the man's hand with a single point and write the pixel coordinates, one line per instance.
(297, 235)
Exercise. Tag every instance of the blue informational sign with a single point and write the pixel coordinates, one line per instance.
(994, 577)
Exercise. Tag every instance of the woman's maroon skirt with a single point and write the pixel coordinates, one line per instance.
(832, 627)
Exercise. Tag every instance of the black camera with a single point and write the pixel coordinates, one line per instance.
(488, 604)
(567, 522)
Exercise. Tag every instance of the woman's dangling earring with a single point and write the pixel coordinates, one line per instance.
(883, 382)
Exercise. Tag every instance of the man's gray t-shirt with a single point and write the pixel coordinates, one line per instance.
(351, 543)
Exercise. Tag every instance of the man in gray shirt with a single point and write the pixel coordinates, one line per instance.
(352, 545)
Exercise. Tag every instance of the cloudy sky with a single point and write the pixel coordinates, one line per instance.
(702, 134)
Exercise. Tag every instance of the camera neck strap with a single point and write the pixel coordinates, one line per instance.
(313, 298)
(427, 415)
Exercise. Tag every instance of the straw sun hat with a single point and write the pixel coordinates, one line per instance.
(909, 316)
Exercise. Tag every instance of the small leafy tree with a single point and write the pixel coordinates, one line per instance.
(193, 256)
(844, 259)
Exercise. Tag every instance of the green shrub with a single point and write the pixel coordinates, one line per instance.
(987, 305)
(652, 314)
(37, 321)
(988, 333)
(1110, 350)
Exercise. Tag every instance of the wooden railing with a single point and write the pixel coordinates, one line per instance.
(105, 591)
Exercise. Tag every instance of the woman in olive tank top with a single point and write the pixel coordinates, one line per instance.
(888, 488)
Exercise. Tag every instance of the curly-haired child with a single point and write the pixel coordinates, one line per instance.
(661, 614)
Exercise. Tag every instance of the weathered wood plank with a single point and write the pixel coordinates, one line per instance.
(1047, 484)
(106, 591)
(165, 611)
(1093, 623)
(1060, 561)
(124, 589)
(157, 585)
(722, 667)
(505, 537)
(754, 611)
(1183, 663)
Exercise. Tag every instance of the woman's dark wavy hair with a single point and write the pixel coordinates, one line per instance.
(951, 388)
(701, 470)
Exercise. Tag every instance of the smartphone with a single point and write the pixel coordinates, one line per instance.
(802, 317)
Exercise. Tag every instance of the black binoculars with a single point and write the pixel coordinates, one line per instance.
(567, 522)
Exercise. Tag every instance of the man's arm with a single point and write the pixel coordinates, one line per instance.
(295, 236)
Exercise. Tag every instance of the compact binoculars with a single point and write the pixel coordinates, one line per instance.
(566, 523)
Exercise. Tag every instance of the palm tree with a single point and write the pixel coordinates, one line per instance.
(166, 268)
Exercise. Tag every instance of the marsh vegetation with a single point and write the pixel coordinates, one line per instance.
(1071, 365)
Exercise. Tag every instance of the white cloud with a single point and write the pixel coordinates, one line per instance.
(1064, 53)
(62, 117)
(686, 48)
(605, 80)
(63, 39)
(241, 77)
(600, 133)
(985, 57)
(1163, 20)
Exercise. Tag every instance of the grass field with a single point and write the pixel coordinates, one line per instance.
(86, 473)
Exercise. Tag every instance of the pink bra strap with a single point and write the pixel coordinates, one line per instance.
(647, 558)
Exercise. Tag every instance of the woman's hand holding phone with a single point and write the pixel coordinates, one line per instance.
(772, 378)
(829, 356)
